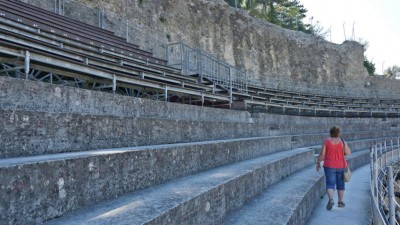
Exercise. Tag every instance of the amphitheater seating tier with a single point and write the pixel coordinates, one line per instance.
(80, 180)
(40, 30)
(76, 156)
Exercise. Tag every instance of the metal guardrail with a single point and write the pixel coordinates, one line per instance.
(384, 157)
(194, 61)
(107, 20)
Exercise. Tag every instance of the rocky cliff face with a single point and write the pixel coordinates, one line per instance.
(264, 49)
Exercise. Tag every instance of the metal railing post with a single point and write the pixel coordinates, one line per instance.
(59, 7)
(127, 30)
(391, 152)
(385, 150)
(166, 93)
(398, 146)
(114, 86)
(376, 169)
(230, 88)
(373, 169)
(182, 66)
(167, 54)
(390, 181)
(101, 18)
(26, 65)
(245, 82)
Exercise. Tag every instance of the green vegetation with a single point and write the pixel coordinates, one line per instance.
(392, 72)
(285, 13)
(370, 66)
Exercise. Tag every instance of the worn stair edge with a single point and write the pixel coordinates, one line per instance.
(43, 187)
(204, 198)
(49, 133)
(290, 201)
(22, 94)
(66, 182)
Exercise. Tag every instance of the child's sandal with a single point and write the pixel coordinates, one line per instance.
(341, 204)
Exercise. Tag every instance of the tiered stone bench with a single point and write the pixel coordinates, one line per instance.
(73, 156)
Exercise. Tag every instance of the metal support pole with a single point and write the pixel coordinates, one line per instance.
(385, 151)
(392, 212)
(391, 152)
(230, 88)
(200, 66)
(377, 166)
(166, 93)
(181, 48)
(167, 54)
(27, 61)
(187, 63)
(398, 151)
(127, 30)
(101, 18)
(373, 173)
(246, 79)
(114, 83)
(59, 7)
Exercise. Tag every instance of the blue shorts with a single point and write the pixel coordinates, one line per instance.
(334, 177)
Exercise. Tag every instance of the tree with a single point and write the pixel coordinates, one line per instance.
(370, 66)
(392, 72)
(285, 13)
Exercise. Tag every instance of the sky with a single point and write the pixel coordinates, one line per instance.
(374, 21)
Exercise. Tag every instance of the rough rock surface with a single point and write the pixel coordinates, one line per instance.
(265, 50)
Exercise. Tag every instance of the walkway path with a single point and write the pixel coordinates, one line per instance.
(357, 199)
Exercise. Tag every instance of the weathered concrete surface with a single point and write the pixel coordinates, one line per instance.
(357, 197)
(280, 204)
(39, 118)
(201, 199)
(41, 188)
(26, 133)
(19, 94)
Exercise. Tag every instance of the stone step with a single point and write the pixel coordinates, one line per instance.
(204, 198)
(292, 200)
(19, 94)
(72, 180)
(29, 133)
(46, 186)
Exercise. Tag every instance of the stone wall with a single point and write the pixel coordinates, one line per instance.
(265, 50)
(39, 118)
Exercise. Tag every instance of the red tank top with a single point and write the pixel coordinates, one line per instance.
(334, 157)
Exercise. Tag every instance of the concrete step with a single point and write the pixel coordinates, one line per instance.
(204, 198)
(46, 186)
(23, 95)
(30, 133)
(19, 94)
(292, 200)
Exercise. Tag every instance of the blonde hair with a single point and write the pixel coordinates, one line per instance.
(334, 131)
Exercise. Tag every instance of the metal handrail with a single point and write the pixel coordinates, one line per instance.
(384, 156)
